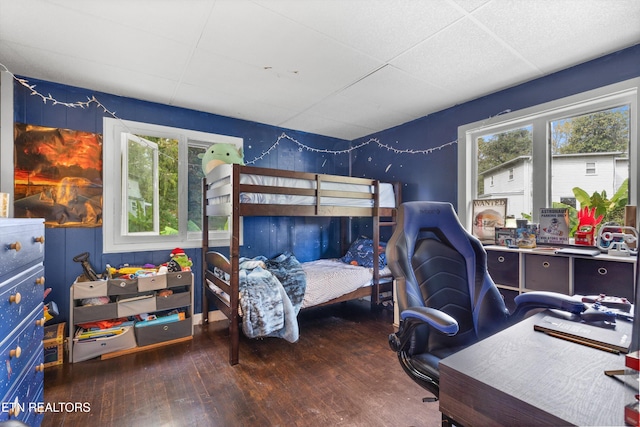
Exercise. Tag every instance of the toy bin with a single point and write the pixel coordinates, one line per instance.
(160, 332)
(85, 350)
(54, 344)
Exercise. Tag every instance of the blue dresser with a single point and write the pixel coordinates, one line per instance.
(21, 320)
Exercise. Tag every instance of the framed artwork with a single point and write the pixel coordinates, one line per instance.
(487, 215)
(58, 176)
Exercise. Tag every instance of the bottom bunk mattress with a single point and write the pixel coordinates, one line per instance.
(327, 279)
(331, 278)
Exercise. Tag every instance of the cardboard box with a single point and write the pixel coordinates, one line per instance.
(54, 337)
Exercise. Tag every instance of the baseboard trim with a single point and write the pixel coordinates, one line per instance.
(214, 316)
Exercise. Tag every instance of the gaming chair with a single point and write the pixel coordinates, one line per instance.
(446, 298)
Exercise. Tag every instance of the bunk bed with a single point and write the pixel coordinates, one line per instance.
(236, 191)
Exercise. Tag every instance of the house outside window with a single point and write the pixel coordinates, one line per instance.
(153, 186)
(598, 127)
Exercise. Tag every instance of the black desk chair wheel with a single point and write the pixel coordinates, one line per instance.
(446, 298)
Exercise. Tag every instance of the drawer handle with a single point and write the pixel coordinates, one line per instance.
(546, 264)
(15, 298)
(40, 322)
(40, 280)
(14, 411)
(40, 367)
(500, 258)
(602, 271)
(16, 352)
(39, 239)
(15, 246)
(165, 328)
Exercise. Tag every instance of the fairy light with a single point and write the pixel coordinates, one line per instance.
(302, 146)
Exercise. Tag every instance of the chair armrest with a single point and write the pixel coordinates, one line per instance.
(436, 319)
(416, 316)
(542, 299)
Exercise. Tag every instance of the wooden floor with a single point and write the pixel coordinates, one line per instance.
(340, 373)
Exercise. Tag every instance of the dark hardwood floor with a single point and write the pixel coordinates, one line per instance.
(340, 373)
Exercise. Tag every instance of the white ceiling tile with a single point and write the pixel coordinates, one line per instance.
(557, 34)
(249, 33)
(380, 28)
(173, 20)
(392, 89)
(253, 82)
(229, 104)
(324, 126)
(464, 59)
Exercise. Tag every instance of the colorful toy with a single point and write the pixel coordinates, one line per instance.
(179, 261)
(218, 154)
(587, 222)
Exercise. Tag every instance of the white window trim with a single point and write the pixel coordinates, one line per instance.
(625, 92)
(588, 168)
(113, 240)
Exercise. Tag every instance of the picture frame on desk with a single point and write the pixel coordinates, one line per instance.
(554, 226)
(487, 215)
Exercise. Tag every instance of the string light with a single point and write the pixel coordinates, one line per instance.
(301, 146)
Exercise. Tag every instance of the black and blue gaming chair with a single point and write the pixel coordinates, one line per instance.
(446, 298)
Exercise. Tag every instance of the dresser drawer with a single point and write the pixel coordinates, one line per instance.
(19, 348)
(19, 296)
(546, 273)
(26, 394)
(596, 276)
(21, 245)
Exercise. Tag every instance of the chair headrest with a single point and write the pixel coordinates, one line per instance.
(441, 219)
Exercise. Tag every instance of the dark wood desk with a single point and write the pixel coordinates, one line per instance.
(523, 377)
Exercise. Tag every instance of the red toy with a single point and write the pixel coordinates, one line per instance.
(587, 222)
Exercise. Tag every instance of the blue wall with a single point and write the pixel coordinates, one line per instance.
(433, 176)
(430, 176)
(307, 238)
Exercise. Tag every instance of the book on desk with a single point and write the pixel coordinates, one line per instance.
(614, 338)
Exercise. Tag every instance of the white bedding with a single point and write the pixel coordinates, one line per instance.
(218, 174)
(328, 279)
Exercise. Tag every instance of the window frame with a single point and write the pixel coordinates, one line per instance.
(538, 117)
(114, 240)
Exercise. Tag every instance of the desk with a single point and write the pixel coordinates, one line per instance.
(523, 377)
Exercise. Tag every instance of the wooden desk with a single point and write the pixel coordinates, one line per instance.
(523, 377)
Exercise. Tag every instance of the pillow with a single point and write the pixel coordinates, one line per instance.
(361, 253)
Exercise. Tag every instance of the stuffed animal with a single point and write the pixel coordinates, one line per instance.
(179, 261)
(218, 154)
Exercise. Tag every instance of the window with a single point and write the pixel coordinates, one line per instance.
(587, 141)
(153, 187)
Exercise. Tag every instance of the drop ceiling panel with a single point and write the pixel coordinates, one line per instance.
(228, 103)
(172, 20)
(254, 35)
(395, 90)
(466, 61)
(381, 29)
(252, 82)
(554, 38)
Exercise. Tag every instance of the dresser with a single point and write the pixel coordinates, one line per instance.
(21, 320)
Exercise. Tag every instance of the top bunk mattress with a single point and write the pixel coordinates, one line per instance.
(221, 176)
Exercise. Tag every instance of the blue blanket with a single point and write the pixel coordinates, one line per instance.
(271, 293)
